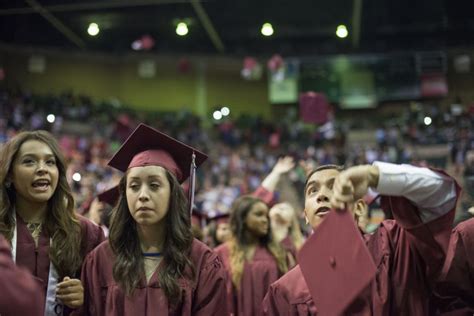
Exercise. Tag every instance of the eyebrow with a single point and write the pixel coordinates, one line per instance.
(313, 182)
(37, 155)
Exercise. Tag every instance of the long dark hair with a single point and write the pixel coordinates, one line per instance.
(61, 222)
(125, 244)
(240, 209)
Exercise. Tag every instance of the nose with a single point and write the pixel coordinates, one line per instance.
(322, 196)
(143, 195)
(42, 168)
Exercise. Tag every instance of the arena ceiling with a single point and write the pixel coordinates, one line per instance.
(302, 27)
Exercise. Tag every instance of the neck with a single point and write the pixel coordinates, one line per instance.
(31, 212)
(251, 239)
(151, 238)
(279, 232)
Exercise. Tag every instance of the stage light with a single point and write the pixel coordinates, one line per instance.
(225, 111)
(51, 118)
(182, 29)
(76, 177)
(217, 115)
(341, 31)
(93, 29)
(267, 29)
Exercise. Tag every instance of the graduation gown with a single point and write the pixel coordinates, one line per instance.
(257, 276)
(18, 291)
(455, 290)
(103, 296)
(408, 254)
(36, 259)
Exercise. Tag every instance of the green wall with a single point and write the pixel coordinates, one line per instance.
(209, 83)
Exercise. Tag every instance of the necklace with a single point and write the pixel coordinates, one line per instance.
(35, 230)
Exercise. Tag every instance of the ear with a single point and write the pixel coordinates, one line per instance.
(360, 208)
(306, 217)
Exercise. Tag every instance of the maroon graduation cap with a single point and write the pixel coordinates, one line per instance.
(336, 263)
(147, 146)
(110, 196)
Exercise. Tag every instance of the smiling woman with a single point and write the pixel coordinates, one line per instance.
(38, 219)
(151, 255)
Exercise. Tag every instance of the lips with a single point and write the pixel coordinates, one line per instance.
(323, 210)
(144, 209)
(41, 184)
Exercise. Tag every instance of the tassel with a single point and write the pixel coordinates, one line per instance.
(192, 183)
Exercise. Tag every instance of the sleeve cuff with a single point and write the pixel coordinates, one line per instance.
(392, 178)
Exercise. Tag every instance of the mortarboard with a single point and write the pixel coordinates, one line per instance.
(221, 218)
(198, 219)
(336, 263)
(147, 146)
(110, 196)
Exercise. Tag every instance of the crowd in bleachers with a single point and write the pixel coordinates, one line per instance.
(242, 150)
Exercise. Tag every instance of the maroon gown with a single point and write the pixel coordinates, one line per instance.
(36, 259)
(18, 290)
(455, 289)
(408, 254)
(103, 296)
(257, 276)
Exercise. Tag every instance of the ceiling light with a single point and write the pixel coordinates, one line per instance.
(93, 29)
(427, 120)
(51, 118)
(225, 111)
(267, 29)
(76, 177)
(217, 115)
(182, 29)
(341, 31)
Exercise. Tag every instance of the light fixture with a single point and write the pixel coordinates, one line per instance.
(50, 118)
(225, 111)
(76, 177)
(182, 29)
(217, 115)
(427, 120)
(341, 31)
(267, 29)
(93, 29)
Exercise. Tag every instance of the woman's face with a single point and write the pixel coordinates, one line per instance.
(223, 232)
(257, 220)
(34, 173)
(148, 194)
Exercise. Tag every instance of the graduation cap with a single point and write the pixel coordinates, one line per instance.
(198, 219)
(336, 263)
(221, 218)
(110, 196)
(147, 146)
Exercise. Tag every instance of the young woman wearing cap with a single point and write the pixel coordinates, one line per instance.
(151, 263)
(37, 217)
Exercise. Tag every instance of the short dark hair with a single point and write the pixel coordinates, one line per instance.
(321, 168)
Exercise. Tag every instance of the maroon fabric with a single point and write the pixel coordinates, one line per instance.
(36, 260)
(408, 260)
(103, 296)
(18, 291)
(257, 276)
(288, 244)
(455, 289)
(266, 196)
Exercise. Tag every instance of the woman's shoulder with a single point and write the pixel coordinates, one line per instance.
(92, 234)
(203, 256)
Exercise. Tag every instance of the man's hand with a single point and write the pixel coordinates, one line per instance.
(70, 292)
(352, 184)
